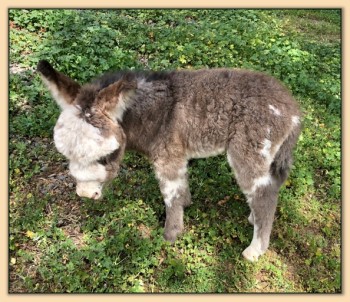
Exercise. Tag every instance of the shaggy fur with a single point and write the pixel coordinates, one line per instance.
(174, 116)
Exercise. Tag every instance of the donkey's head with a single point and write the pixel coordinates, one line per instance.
(85, 133)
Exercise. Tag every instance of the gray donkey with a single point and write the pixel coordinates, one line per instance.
(172, 117)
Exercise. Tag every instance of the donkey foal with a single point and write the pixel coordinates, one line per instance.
(172, 117)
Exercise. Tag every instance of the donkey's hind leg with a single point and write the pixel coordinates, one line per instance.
(260, 181)
(261, 190)
(262, 202)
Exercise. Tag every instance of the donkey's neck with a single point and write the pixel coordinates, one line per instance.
(148, 116)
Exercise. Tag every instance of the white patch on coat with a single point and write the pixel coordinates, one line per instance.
(295, 119)
(79, 141)
(56, 94)
(202, 153)
(254, 250)
(275, 110)
(249, 200)
(251, 218)
(266, 150)
(172, 189)
(276, 149)
(230, 161)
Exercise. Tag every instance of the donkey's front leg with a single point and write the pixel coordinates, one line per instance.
(173, 184)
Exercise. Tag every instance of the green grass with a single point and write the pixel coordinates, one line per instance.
(61, 243)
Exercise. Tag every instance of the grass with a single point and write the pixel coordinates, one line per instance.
(61, 243)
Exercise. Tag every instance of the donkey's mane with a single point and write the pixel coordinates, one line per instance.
(88, 93)
(148, 76)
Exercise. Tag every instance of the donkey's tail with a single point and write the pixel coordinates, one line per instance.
(283, 160)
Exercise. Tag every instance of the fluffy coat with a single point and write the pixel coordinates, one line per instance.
(172, 117)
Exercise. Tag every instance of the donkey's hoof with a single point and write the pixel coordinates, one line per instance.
(171, 235)
(251, 254)
(170, 239)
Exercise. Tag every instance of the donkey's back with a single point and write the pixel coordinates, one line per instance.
(215, 108)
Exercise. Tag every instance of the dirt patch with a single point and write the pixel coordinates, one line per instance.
(64, 204)
(145, 231)
(53, 182)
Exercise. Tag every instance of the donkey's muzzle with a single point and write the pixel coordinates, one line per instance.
(95, 195)
(89, 190)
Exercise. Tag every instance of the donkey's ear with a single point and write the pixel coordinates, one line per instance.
(117, 97)
(128, 82)
(117, 91)
(63, 89)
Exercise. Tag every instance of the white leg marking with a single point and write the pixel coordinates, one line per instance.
(261, 182)
(254, 250)
(171, 190)
(275, 110)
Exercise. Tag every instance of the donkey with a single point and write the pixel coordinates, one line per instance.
(174, 116)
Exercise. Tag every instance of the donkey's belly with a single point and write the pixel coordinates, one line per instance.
(203, 152)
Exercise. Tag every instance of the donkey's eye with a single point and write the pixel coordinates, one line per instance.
(109, 158)
(103, 161)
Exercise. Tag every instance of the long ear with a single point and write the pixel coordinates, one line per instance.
(63, 89)
(116, 94)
